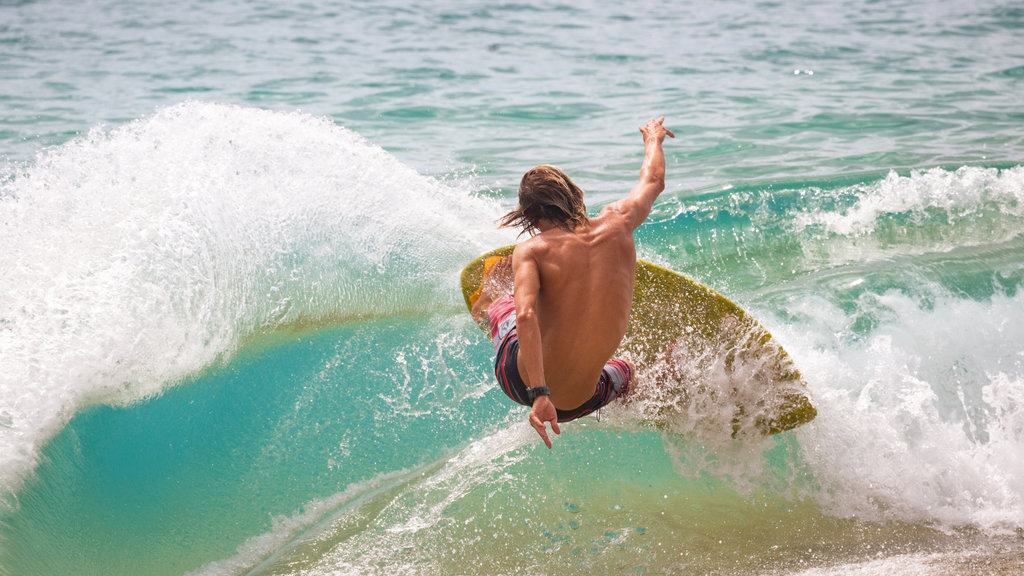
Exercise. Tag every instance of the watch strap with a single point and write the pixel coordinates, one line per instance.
(532, 393)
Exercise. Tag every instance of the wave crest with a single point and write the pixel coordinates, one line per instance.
(139, 255)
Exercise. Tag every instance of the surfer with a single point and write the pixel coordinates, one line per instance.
(559, 306)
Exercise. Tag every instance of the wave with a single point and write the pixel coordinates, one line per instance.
(143, 254)
(964, 225)
(924, 196)
(372, 523)
(138, 255)
(914, 449)
(920, 416)
(900, 299)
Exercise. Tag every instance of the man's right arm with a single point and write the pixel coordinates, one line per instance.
(636, 206)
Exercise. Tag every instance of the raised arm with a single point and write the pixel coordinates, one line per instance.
(636, 206)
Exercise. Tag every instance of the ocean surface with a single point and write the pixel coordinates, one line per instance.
(232, 339)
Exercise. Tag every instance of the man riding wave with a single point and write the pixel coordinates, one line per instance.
(571, 288)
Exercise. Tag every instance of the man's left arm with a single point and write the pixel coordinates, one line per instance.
(531, 351)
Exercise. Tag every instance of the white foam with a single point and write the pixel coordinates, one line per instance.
(904, 565)
(957, 194)
(136, 256)
(712, 398)
(922, 420)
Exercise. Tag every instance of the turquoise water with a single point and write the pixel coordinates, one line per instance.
(232, 340)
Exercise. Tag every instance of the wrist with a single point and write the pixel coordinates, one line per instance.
(536, 392)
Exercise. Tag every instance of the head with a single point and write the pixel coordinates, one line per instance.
(546, 193)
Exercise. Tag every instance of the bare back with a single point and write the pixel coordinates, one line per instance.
(573, 283)
(585, 293)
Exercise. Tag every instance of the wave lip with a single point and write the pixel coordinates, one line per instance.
(953, 195)
(141, 254)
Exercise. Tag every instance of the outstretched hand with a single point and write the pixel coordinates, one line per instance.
(499, 280)
(544, 411)
(656, 129)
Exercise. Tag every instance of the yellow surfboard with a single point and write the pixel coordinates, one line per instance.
(712, 354)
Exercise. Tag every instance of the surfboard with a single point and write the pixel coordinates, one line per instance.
(703, 345)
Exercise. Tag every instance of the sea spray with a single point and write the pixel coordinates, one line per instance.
(923, 196)
(137, 255)
(903, 308)
(912, 378)
(758, 237)
(240, 221)
(899, 299)
(921, 419)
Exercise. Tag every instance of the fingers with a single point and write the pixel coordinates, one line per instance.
(498, 278)
(539, 427)
(547, 441)
(654, 125)
(537, 420)
(660, 123)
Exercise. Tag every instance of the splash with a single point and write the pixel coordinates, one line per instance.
(922, 418)
(763, 235)
(395, 512)
(900, 301)
(947, 197)
(138, 255)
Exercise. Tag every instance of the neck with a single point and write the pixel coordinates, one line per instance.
(543, 225)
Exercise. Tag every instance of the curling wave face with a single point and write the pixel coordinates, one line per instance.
(137, 256)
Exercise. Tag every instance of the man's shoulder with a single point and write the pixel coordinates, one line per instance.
(530, 246)
(614, 219)
(618, 211)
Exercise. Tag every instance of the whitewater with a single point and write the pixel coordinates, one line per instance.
(232, 339)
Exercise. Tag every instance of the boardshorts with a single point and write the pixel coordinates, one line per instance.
(613, 383)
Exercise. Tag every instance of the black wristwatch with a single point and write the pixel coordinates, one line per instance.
(532, 393)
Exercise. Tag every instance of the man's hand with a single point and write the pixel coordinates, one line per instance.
(655, 129)
(544, 411)
(636, 206)
(497, 282)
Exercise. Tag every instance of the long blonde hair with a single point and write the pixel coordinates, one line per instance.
(546, 192)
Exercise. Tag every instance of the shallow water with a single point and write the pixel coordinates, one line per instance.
(232, 339)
